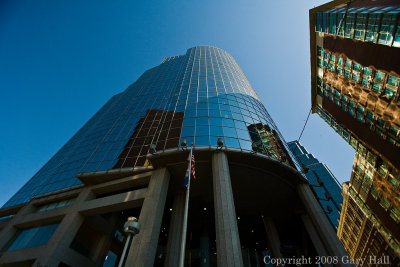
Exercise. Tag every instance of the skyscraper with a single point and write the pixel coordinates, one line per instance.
(325, 185)
(128, 160)
(355, 80)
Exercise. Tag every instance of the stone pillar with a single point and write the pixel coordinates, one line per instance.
(143, 248)
(273, 240)
(175, 230)
(228, 244)
(312, 233)
(65, 233)
(320, 221)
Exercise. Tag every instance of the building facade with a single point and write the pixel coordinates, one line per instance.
(355, 80)
(324, 184)
(248, 201)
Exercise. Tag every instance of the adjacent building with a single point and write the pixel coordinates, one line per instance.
(324, 184)
(355, 76)
(248, 200)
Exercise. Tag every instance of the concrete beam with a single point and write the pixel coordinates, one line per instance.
(122, 201)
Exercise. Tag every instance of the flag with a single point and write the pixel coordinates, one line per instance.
(190, 170)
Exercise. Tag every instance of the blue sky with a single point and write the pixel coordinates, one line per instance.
(60, 61)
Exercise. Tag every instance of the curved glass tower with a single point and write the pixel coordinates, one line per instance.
(248, 203)
(200, 96)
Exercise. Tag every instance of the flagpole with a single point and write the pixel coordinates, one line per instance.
(185, 215)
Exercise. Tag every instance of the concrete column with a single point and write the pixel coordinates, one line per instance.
(65, 233)
(322, 225)
(228, 244)
(312, 233)
(274, 243)
(175, 230)
(143, 248)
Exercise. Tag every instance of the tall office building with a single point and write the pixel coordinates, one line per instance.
(324, 184)
(247, 202)
(355, 76)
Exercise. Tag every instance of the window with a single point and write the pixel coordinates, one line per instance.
(380, 76)
(372, 28)
(325, 24)
(393, 180)
(320, 64)
(395, 214)
(374, 192)
(390, 93)
(340, 61)
(379, 132)
(387, 28)
(347, 73)
(370, 115)
(340, 24)
(360, 117)
(396, 41)
(348, 64)
(367, 71)
(332, 23)
(385, 203)
(360, 109)
(383, 169)
(55, 205)
(360, 26)
(365, 82)
(357, 67)
(381, 122)
(349, 29)
(320, 51)
(33, 237)
(394, 130)
(377, 87)
(393, 81)
(356, 77)
(319, 22)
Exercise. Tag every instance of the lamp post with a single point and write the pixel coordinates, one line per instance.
(131, 228)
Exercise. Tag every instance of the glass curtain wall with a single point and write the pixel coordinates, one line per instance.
(200, 96)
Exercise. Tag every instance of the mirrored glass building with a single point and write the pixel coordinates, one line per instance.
(355, 76)
(200, 96)
(248, 202)
(324, 183)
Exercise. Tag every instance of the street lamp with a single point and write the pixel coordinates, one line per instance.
(131, 228)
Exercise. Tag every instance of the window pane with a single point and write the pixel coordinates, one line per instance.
(33, 237)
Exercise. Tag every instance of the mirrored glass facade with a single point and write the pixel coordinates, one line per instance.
(200, 96)
(324, 183)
